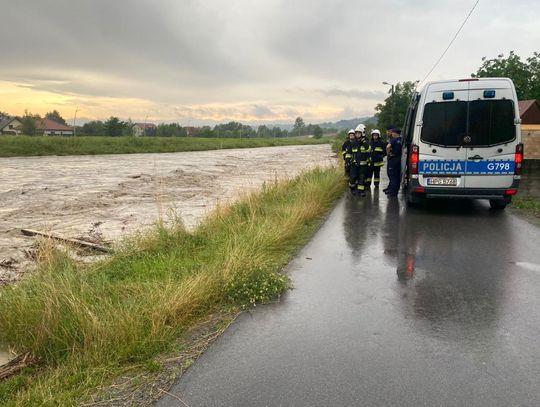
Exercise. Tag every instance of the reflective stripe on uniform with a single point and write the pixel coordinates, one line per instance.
(354, 150)
(360, 187)
(378, 149)
(362, 163)
(379, 164)
(376, 179)
(348, 155)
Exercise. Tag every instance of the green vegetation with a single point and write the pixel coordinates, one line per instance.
(525, 75)
(17, 146)
(394, 108)
(90, 323)
(528, 207)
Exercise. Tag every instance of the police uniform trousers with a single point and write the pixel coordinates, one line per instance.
(394, 174)
(357, 177)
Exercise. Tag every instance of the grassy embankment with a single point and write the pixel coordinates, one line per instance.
(527, 207)
(90, 323)
(19, 146)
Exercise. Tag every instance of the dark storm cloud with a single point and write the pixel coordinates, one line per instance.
(255, 54)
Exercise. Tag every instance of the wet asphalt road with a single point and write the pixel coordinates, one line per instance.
(438, 306)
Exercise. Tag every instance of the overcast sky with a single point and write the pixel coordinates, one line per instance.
(255, 61)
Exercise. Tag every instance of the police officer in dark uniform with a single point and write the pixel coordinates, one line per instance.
(393, 150)
(347, 153)
(361, 155)
(378, 152)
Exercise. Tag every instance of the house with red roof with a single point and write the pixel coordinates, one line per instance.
(529, 111)
(49, 127)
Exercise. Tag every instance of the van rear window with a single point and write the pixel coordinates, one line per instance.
(491, 122)
(485, 122)
(444, 123)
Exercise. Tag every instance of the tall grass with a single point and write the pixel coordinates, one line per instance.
(89, 323)
(18, 146)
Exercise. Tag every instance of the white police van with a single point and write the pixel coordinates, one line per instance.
(462, 139)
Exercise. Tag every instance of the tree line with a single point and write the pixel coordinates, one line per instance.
(115, 127)
(524, 73)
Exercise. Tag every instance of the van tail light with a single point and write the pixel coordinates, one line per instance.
(414, 159)
(511, 191)
(518, 159)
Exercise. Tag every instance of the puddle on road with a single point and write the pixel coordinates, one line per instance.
(528, 266)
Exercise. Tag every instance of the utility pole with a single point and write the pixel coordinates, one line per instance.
(393, 102)
(74, 118)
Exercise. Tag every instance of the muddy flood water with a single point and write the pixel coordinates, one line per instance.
(109, 196)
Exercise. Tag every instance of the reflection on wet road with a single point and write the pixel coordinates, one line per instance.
(436, 306)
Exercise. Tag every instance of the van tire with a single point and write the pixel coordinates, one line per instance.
(413, 199)
(498, 204)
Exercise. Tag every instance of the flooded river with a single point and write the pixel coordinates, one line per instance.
(110, 196)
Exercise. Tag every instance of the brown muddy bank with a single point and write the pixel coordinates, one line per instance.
(109, 196)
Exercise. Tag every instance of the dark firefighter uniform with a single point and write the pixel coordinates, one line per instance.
(361, 155)
(378, 152)
(347, 156)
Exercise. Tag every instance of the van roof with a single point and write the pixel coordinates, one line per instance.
(469, 83)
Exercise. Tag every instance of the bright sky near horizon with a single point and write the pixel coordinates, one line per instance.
(255, 61)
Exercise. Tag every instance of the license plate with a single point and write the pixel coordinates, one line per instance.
(450, 181)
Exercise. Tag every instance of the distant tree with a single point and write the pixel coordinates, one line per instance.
(277, 132)
(394, 108)
(233, 129)
(28, 123)
(93, 128)
(170, 130)
(317, 132)
(128, 128)
(55, 115)
(264, 131)
(113, 127)
(3, 115)
(525, 75)
(298, 126)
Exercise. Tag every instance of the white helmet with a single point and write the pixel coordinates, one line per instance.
(376, 131)
(351, 131)
(360, 128)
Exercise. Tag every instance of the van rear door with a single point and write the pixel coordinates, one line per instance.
(443, 127)
(492, 136)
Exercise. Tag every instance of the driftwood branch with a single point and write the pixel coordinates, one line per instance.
(14, 366)
(76, 242)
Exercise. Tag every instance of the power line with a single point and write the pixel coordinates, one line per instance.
(451, 42)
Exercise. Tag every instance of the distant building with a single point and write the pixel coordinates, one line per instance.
(49, 127)
(529, 111)
(144, 129)
(10, 126)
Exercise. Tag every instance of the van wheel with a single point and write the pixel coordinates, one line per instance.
(413, 199)
(498, 204)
